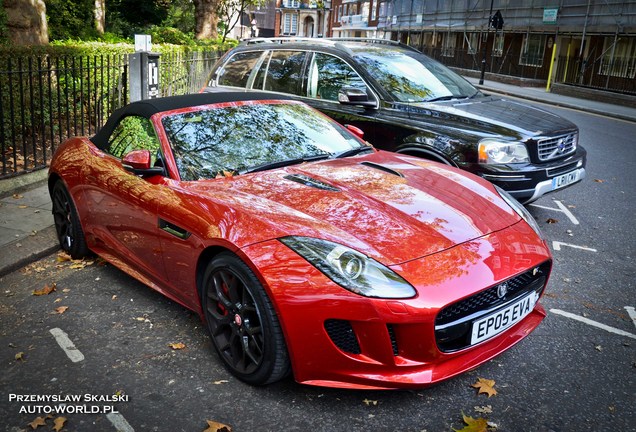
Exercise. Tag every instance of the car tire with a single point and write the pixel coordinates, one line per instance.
(242, 322)
(67, 223)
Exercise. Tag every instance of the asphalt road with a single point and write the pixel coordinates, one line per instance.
(570, 375)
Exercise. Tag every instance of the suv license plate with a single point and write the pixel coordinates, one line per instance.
(501, 320)
(565, 179)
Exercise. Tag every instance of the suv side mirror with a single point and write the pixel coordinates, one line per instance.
(138, 163)
(355, 96)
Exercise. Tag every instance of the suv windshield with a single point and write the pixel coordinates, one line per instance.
(215, 140)
(412, 77)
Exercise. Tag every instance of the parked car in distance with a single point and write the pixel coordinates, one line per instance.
(303, 248)
(407, 103)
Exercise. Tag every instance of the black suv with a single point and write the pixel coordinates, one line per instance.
(408, 103)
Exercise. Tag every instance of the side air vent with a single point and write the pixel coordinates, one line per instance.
(342, 335)
(311, 182)
(382, 168)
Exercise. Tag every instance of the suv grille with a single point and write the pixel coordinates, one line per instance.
(555, 147)
(453, 324)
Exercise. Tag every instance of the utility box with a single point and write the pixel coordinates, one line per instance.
(143, 75)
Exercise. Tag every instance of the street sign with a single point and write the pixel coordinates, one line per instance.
(550, 15)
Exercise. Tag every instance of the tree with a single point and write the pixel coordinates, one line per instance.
(100, 16)
(26, 22)
(206, 19)
(231, 11)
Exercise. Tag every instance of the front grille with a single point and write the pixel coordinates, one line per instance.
(342, 335)
(553, 172)
(453, 324)
(557, 146)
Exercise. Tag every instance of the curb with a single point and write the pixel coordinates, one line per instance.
(556, 103)
(31, 249)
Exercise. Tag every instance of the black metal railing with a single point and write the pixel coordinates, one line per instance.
(45, 99)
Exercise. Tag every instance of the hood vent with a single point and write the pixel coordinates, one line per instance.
(311, 182)
(382, 168)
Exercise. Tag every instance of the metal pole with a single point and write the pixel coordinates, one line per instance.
(483, 57)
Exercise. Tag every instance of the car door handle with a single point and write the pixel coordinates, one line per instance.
(173, 229)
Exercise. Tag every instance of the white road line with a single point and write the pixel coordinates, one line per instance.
(593, 323)
(556, 245)
(562, 209)
(67, 345)
(632, 313)
(119, 422)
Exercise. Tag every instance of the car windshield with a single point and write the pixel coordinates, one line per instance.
(412, 77)
(215, 141)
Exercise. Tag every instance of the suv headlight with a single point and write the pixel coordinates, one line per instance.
(492, 151)
(350, 269)
(520, 210)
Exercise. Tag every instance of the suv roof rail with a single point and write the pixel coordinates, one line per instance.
(288, 39)
(373, 40)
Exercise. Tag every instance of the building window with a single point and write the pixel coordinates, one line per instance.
(472, 39)
(497, 45)
(291, 4)
(449, 45)
(532, 50)
(623, 62)
(373, 10)
(290, 23)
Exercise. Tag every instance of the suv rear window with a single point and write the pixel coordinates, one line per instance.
(237, 70)
(284, 72)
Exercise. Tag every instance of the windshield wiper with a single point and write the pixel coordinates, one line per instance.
(278, 164)
(445, 98)
(352, 152)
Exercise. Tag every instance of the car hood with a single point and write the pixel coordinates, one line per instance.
(492, 114)
(392, 207)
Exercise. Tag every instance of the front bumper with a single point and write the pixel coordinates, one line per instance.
(529, 182)
(394, 341)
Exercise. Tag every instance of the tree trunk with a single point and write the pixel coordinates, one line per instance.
(100, 16)
(26, 22)
(206, 19)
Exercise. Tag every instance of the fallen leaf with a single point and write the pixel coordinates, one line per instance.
(177, 346)
(19, 356)
(46, 290)
(217, 427)
(487, 409)
(228, 174)
(220, 382)
(63, 256)
(552, 221)
(17, 196)
(78, 265)
(473, 424)
(58, 423)
(114, 297)
(57, 300)
(22, 206)
(598, 348)
(39, 421)
(66, 290)
(599, 180)
(61, 309)
(370, 402)
(484, 385)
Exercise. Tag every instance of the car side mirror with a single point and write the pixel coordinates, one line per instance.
(355, 96)
(355, 130)
(138, 163)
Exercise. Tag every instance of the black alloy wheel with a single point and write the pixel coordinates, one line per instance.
(67, 224)
(242, 322)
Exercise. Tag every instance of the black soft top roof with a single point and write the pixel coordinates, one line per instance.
(147, 108)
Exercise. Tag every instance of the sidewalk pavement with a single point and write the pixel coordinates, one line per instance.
(26, 223)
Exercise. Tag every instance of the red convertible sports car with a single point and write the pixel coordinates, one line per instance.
(305, 250)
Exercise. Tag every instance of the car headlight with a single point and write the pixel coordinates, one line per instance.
(350, 269)
(492, 151)
(520, 210)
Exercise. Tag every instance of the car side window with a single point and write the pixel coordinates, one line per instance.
(328, 74)
(236, 72)
(133, 133)
(284, 72)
